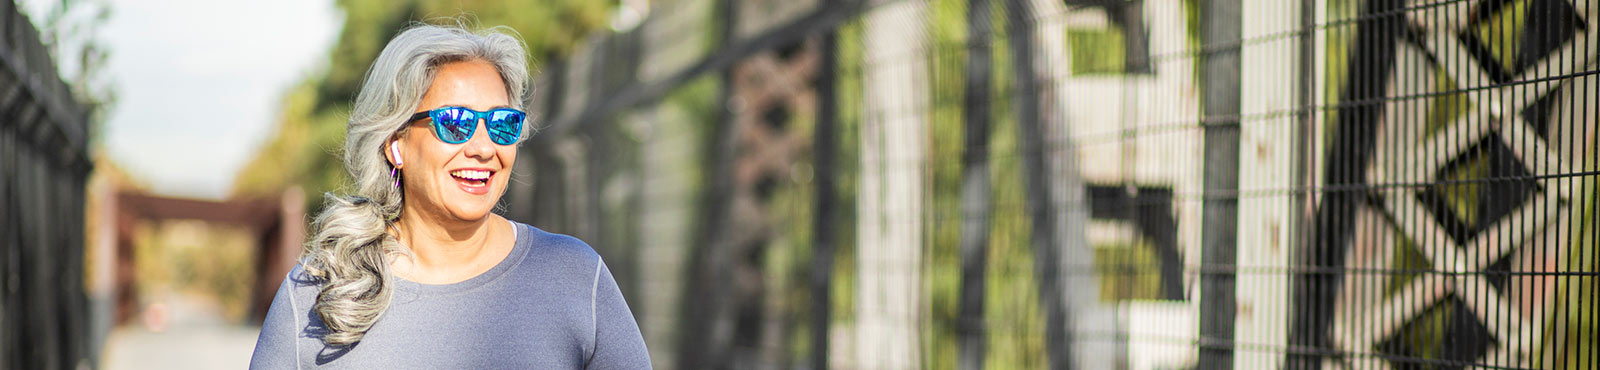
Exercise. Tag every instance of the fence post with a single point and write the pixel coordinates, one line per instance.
(826, 149)
(1220, 76)
(975, 189)
(707, 330)
(1057, 202)
(1057, 337)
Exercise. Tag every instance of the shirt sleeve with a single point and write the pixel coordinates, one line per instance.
(617, 342)
(275, 347)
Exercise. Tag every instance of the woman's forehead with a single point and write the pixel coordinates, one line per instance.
(470, 84)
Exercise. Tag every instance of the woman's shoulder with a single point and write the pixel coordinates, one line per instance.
(302, 284)
(553, 247)
(555, 261)
(296, 297)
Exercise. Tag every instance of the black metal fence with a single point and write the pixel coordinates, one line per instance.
(1367, 184)
(44, 313)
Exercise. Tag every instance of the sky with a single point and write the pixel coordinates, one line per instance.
(199, 83)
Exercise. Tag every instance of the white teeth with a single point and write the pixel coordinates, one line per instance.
(471, 174)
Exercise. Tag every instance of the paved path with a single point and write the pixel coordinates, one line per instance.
(194, 337)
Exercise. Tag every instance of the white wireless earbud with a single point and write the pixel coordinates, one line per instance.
(394, 149)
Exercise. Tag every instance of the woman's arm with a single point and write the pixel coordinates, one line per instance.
(275, 347)
(617, 342)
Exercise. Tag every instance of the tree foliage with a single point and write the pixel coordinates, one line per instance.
(311, 124)
(70, 29)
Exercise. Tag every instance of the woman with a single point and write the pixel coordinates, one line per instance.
(413, 271)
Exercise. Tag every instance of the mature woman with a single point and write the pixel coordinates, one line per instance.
(413, 271)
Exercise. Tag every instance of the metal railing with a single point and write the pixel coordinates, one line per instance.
(44, 313)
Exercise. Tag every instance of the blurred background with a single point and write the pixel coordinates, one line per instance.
(858, 184)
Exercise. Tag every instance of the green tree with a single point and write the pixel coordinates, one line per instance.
(70, 29)
(311, 123)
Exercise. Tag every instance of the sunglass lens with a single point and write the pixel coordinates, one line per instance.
(454, 125)
(505, 126)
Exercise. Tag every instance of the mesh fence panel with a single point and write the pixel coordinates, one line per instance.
(1149, 184)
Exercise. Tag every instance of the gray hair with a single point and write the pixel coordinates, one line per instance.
(348, 248)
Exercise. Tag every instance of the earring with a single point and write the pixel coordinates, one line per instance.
(396, 178)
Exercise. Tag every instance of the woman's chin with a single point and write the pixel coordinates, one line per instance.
(470, 213)
(467, 208)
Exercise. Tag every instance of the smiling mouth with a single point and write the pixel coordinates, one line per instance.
(472, 180)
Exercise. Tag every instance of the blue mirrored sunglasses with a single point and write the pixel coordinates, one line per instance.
(455, 125)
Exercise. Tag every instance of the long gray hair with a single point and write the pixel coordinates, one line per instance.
(348, 248)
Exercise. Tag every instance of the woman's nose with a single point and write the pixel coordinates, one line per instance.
(480, 145)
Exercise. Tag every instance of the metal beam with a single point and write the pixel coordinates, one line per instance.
(1220, 213)
(824, 19)
(826, 147)
(706, 333)
(1056, 199)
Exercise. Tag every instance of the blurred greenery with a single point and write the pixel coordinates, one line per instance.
(942, 254)
(1128, 271)
(1011, 294)
(193, 258)
(71, 30)
(311, 124)
(1097, 51)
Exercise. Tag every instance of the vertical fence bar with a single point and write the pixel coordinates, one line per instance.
(975, 187)
(703, 340)
(826, 147)
(9, 334)
(1058, 339)
(706, 330)
(713, 330)
(1057, 202)
(1220, 78)
(1304, 163)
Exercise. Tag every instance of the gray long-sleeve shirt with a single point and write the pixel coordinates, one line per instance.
(551, 304)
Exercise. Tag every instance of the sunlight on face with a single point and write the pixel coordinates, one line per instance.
(462, 182)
